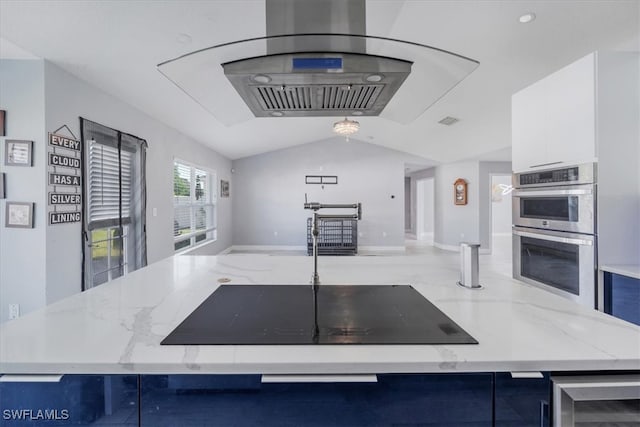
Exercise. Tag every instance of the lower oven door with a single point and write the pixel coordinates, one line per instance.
(563, 263)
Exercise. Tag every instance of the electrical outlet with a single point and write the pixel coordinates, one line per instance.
(275, 234)
(14, 311)
(360, 234)
(154, 211)
(384, 234)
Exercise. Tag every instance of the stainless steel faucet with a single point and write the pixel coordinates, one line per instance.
(315, 279)
(315, 207)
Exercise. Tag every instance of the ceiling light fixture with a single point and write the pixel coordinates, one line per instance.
(346, 127)
(261, 78)
(527, 17)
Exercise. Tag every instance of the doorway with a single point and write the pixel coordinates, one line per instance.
(501, 220)
(425, 200)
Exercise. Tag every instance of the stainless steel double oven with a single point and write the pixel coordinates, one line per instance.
(554, 231)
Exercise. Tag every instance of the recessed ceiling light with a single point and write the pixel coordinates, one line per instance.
(261, 78)
(374, 78)
(277, 113)
(527, 17)
(183, 38)
(357, 113)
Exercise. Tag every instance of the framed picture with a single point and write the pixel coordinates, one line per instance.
(17, 153)
(224, 188)
(2, 196)
(19, 215)
(3, 129)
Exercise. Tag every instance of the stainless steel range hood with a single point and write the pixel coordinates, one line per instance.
(317, 60)
(317, 84)
(331, 80)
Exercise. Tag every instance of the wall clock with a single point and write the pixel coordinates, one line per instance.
(460, 192)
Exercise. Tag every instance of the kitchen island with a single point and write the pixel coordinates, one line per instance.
(116, 329)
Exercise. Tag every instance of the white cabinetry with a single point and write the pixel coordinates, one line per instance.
(554, 120)
(587, 112)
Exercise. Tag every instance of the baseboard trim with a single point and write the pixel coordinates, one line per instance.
(381, 249)
(266, 248)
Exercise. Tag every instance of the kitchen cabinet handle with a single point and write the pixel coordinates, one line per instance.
(535, 374)
(319, 378)
(30, 378)
(558, 239)
(545, 164)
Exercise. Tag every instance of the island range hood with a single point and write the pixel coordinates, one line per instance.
(319, 79)
(317, 60)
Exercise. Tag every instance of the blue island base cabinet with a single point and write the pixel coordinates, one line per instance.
(430, 400)
(74, 400)
(465, 399)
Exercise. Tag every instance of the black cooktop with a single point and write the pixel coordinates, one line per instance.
(284, 314)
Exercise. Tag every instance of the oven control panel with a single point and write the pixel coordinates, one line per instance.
(581, 174)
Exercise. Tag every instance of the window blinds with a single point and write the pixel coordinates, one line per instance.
(105, 188)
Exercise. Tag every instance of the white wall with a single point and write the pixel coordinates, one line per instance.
(40, 101)
(501, 208)
(22, 251)
(269, 192)
(425, 208)
(486, 170)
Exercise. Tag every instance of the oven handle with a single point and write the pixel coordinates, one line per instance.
(582, 242)
(533, 193)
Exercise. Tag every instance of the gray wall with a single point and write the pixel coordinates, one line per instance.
(23, 251)
(618, 140)
(463, 223)
(456, 223)
(269, 192)
(41, 100)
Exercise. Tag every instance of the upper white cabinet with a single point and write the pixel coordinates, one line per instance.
(554, 120)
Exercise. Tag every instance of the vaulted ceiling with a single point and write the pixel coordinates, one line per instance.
(117, 45)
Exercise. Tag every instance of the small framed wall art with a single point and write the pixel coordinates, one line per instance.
(18, 153)
(2, 196)
(224, 188)
(19, 215)
(3, 129)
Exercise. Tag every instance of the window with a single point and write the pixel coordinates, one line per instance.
(114, 229)
(193, 205)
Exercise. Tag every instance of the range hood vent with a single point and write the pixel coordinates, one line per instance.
(351, 84)
(316, 60)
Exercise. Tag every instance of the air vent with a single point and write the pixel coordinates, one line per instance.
(448, 121)
(327, 98)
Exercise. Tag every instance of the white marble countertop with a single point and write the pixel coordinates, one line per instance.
(629, 270)
(117, 327)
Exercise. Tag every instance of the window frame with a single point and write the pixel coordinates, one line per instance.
(210, 230)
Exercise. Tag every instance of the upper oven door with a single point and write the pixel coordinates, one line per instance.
(568, 208)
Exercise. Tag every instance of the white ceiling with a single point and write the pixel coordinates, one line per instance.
(116, 46)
